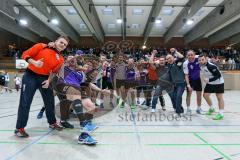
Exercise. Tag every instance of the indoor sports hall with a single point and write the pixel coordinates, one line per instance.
(119, 79)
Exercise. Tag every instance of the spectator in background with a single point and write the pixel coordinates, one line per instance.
(2, 81)
(237, 62)
(233, 64)
(230, 62)
(7, 80)
(17, 81)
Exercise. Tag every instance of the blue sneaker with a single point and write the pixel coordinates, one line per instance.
(40, 115)
(88, 126)
(85, 138)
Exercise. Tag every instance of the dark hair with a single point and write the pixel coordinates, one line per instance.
(191, 51)
(64, 37)
(201, 55)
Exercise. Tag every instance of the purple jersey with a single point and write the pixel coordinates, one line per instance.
(108, 74)
(142, 78)
(130, 74)
(113, 70)
(72, 77)
(192, 69)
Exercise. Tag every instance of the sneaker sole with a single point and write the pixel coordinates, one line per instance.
(67, 127)
(87, 143)
(218, 119)
(20, 136)
(57, 129)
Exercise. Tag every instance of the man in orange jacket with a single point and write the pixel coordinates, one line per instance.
(43, 61)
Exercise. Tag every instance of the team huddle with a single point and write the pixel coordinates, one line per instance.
(79, 79)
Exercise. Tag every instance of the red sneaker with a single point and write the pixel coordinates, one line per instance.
(56, 126)
(21, 133)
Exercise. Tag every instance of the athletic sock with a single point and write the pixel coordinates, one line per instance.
(211, 107)
(221, 111)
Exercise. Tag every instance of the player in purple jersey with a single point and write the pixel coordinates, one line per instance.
(72, 86)
(191, 70)
(107, 81)
(141, 77)
(130, 81)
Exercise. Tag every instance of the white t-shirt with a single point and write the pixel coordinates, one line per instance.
(18, 80)
(7, 79)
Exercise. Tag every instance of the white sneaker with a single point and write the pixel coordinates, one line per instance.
(189, 111)
(199, 111)
(153, 110)
(144, 107)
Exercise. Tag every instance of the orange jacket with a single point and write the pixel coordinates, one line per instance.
(152, 74)
(52, 60)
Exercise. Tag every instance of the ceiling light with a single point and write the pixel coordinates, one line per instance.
(119, 20)
(158, 21)
(190, 22)
(107, 11)
(167, 11)
(55, 21)
(23, 22)
(83, 27)
(144, 47)
(71, 11)
(137, 11)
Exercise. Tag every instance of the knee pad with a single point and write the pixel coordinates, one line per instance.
(77, 106)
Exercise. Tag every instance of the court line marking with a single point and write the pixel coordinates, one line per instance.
(160, 145)
(232, 155)
(171, 125)
(135, 128)
(220, 152)
(130, 132)
(11, 115)
(212, 146)
(18, 104)
(13, 156)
